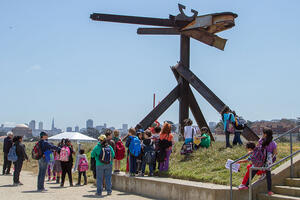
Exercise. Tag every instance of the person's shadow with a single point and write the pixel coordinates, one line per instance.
(7, 186)
(93, 196)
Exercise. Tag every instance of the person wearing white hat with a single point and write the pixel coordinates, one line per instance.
(7, 144)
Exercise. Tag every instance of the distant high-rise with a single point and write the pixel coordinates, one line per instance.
(32, 125)
(76, 128)
(53, 127)
(125, 127)
(89, 123)
(298, 121)
(40, 125)
(69, 129)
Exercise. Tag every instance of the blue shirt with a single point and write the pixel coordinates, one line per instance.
(45, 146)
(226, 118)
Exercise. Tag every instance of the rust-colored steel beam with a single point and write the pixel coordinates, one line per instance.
(158, 31)
(206, 38)
(200, 87)
(197, 113)
(132, 20)
(161, 108)
(210, 96)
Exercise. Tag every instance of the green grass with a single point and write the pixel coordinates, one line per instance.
(204, 165)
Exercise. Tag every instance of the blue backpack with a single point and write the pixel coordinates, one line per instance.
(105, 155)
(135, 146)
(12, 154)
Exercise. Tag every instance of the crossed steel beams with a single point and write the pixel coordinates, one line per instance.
(181, 71)
(201, 28)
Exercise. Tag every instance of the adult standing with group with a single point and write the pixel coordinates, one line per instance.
(6, 147)
(43, 146)
(21, 156)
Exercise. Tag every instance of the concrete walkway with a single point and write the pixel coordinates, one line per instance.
(28, 190)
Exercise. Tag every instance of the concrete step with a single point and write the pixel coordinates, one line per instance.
(293, 182)
(287, 190)
(263, 196)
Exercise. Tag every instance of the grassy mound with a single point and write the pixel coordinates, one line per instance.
(204, 165)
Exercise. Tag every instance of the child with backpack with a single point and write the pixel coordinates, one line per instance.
(239, 125)
(250, 146)
(66, 159)
(18, 149)
(148, 152)
(104, 155)
(134, 149)
(82, 166)
(166, 141)
(57, 166)
(119, 150)
(264, 155)
(155, 139)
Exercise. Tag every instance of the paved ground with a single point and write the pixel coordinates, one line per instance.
(28, 191)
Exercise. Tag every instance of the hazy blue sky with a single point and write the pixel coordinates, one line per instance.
(56, 62)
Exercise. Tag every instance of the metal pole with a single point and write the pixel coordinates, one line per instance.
(231, 195)
(250, 184)
(291, 149)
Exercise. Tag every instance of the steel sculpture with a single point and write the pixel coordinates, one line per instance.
(202, 28)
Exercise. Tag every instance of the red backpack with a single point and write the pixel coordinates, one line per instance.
(37, 151)
(120, 150)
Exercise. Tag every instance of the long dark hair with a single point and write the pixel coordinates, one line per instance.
(269, 137)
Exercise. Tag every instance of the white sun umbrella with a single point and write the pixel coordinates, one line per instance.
(73, 136)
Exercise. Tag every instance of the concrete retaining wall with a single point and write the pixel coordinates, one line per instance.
(175, 189)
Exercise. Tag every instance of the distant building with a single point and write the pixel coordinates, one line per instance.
(32, 125)
(22, 130)
(89, 123)
(298, 121)
(40, 126)
(124, 128)
(69, 129)
(76, 128)
(53, 127)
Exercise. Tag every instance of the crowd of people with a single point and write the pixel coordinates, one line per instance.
(151, 147)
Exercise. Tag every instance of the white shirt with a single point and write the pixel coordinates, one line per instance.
(188, 132)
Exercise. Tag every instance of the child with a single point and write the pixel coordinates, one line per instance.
(134, 149)
(139, 159)
(148, 152)
(57, 166)
(50, 167)
(189, 131)
(250, 147)
(203, 140)
(155, 139)
(120, 151)
(82, 166)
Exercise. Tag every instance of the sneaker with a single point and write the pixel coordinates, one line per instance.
(151, 174)
(20, 183)
(132, 175)
(270, 193)
(108, 193)
(85, 184)
(15, 184)
(243, 187)
(97, 194)
(54, 179)
(77, 184)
